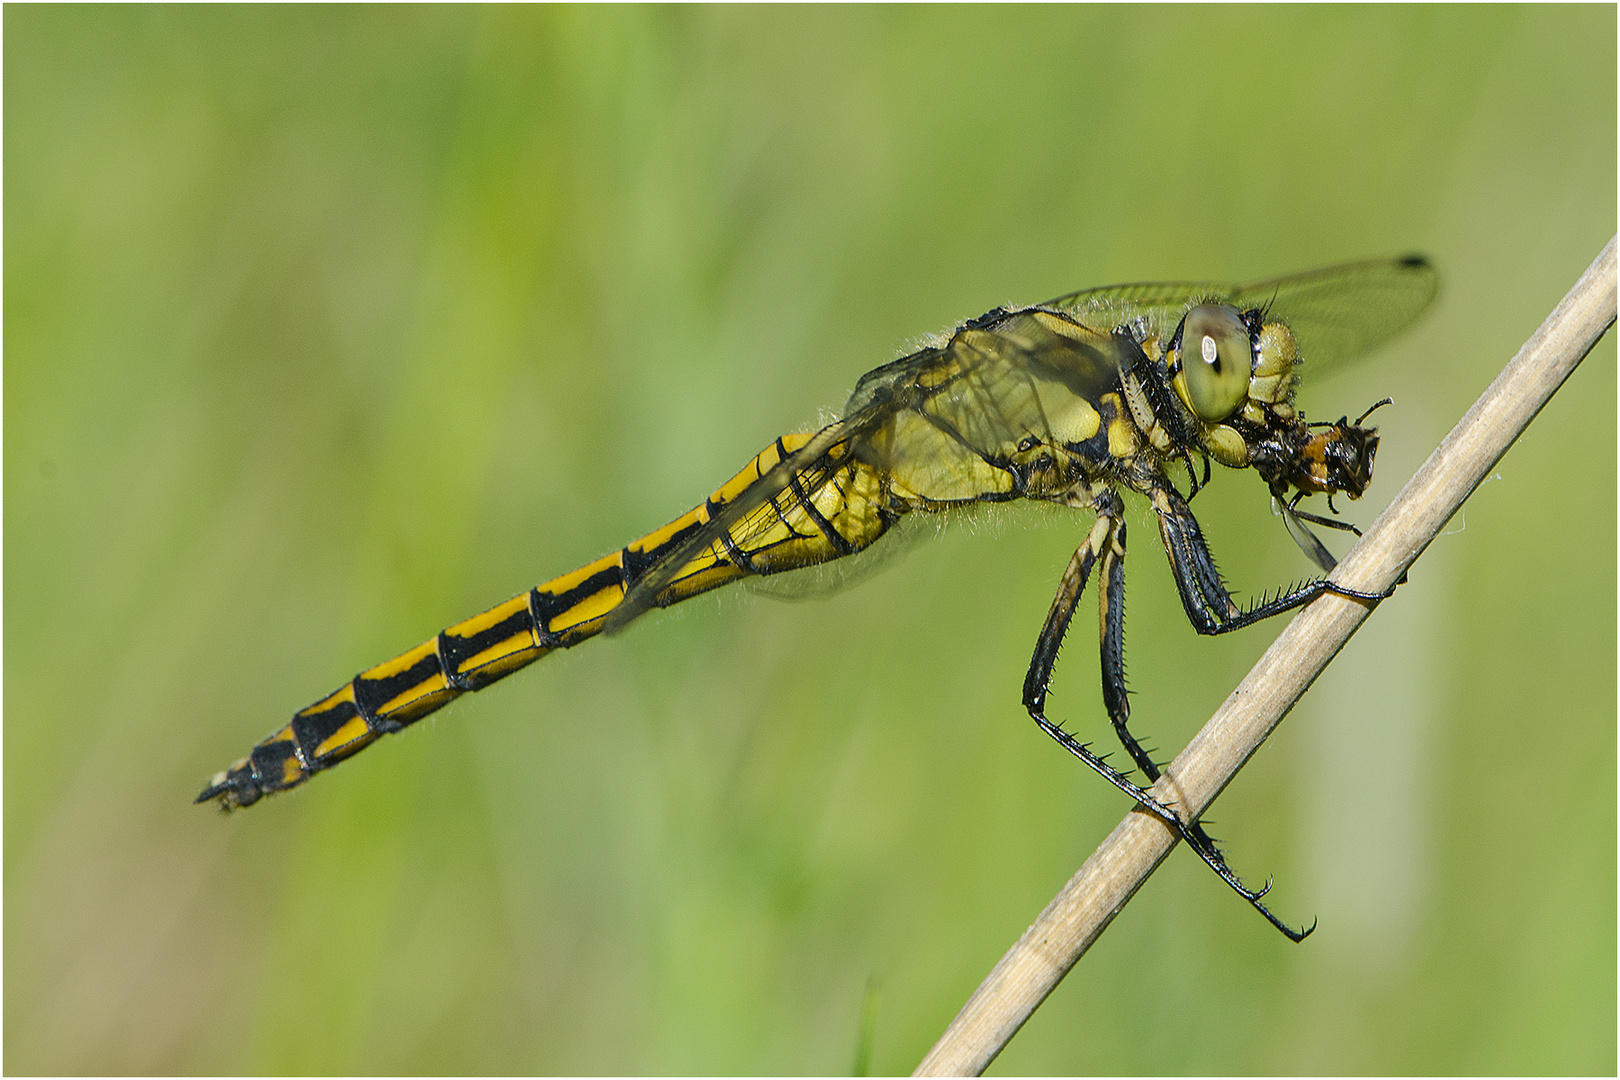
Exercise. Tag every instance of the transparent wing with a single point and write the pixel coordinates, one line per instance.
(1344, 312)
(1002, 384)
(1157, 307)
(1336, 313)
(937, 428)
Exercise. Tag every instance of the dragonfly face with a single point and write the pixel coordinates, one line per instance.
(1076, 402)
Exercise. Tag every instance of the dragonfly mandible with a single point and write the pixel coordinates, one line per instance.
(1075, 402)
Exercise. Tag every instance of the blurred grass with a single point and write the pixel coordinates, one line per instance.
(327, 327)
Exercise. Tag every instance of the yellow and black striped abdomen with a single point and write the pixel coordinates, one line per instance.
(834, 506)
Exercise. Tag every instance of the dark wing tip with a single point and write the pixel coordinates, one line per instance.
(1419, 267)
(1416, 266)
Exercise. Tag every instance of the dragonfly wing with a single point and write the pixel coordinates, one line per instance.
(933, 429)
(999, 385)
(1346, 311)
(1336, 314)
(1152, 309)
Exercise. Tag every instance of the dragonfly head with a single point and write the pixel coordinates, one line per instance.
(1232, 374)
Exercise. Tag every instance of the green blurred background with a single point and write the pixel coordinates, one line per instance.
(327, 327)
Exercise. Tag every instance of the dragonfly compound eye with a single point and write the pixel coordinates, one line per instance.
(1215, 362)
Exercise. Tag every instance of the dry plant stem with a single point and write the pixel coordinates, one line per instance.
(1091, 899)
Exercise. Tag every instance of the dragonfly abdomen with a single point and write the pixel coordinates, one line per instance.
(810, 521)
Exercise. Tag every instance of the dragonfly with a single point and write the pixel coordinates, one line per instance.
(1080, 401)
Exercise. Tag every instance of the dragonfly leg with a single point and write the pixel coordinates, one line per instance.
(1111, 607)
(1116, 699)
(1039, 676)
(1107, 542)
(1204, 596)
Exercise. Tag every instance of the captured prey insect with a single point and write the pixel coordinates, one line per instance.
(1071, 402)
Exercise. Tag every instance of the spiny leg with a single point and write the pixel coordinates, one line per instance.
(1204, 597)
(1039, 676)
(1101, 540)
(1111, 640)
(1116, 699)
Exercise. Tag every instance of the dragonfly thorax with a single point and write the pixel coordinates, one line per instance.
(1222, 386)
